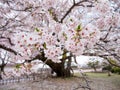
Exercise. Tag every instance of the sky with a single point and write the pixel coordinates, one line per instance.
(82, 59)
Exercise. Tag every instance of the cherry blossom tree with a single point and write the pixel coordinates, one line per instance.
(48, 30)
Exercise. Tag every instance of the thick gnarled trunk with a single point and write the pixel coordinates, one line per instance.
(62, 69)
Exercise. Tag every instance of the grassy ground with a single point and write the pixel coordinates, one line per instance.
(98, 81)
(104, 82)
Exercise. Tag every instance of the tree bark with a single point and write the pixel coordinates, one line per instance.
(59, 68)
(2, 70)
(109, 73)
(95, 70)
(0, 76)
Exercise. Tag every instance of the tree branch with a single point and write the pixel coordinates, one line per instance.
(112, 63)
(105, 56)
(7, 39)
(70, 9)
(104, 39)
(112, 54)
(8, 49)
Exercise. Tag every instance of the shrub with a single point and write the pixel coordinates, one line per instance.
(115, 70)
(107, 68)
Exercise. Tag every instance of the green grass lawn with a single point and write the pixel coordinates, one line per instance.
(100, 75)
(113, 80)
(101, 81)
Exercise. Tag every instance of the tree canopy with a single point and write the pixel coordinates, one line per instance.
(52, 28)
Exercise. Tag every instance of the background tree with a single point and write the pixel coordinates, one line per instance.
(94, 65)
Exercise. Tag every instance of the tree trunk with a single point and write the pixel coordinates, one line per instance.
(2, 70)
(60, 69)
(0, 76)
(109, 73)
(95, 69)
